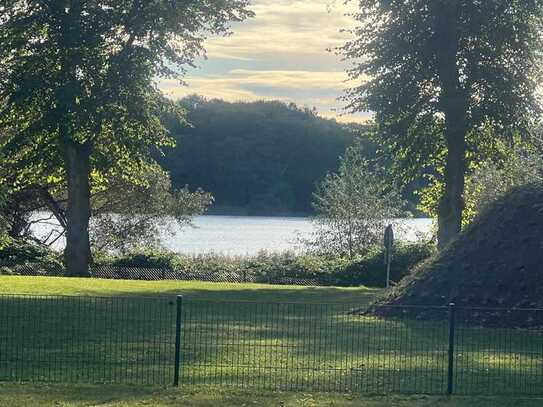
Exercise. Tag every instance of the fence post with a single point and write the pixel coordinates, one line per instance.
(179, 310)
(450, 370)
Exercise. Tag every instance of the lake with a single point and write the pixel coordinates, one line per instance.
(247, 235)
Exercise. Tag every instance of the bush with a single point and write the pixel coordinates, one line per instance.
(285, 268)
(368, 270)
(17, 255)
(145, 259)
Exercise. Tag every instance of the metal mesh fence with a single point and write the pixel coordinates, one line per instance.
(149, 274)
(494, 360)
(312, 347)
(87, 339)
(274, 346)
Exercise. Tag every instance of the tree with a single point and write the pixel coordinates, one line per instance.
(492, 180)
(4, 238)
(352, 207)
(27, 190)
(127, 215)
(77, 86)
(437, 73)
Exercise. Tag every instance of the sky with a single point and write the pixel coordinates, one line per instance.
(280, 54)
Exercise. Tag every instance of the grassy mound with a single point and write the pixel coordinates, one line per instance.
(496, 263)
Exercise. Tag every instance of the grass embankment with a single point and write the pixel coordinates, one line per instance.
(258, 336)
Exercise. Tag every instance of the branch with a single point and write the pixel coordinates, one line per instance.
(60, 234)
(55, 207)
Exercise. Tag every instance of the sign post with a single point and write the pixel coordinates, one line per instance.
(389, 243)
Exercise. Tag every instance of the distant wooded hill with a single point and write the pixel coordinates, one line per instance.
(256, 158)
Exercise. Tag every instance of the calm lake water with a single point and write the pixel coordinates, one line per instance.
(247, 235)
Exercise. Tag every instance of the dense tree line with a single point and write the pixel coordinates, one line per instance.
(256, 158)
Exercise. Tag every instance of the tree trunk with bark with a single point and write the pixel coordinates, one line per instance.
(451, 206)
(453, 102)
(77, 253)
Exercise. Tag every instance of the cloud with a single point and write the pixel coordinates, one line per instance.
(243, 84)
(305, 88)
(289, 27)
(280, 54)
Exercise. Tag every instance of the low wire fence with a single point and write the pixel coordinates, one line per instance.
(312, 347)
(87, 339)
(155, 273)
(275, 346)
(341, 348)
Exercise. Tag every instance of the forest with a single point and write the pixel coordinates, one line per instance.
(256, 158)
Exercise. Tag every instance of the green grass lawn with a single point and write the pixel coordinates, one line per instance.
(190, 289)
(46, 395)
(243, 337)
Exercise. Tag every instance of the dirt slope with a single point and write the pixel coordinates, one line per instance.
(497, 262)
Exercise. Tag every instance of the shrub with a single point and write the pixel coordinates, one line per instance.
(368, 270)
(141, 259)
(17, 255)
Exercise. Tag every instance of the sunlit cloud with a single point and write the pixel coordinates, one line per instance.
(283, 53)
(295, 27)
(241, 84)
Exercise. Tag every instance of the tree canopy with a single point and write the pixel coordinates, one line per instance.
(446, 79)
(492, 180)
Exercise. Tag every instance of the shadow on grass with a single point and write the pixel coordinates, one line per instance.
(288, 338)
(191, 289)
(265, 294)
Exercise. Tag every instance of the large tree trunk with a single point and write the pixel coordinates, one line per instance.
(77, 253)
(454, 104)
(451, 206)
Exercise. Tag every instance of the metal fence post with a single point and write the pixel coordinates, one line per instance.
(450, 370)
(177, 366)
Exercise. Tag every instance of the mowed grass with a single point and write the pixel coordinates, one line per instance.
(47, 395)
(236, 336)
(190, 289)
